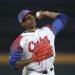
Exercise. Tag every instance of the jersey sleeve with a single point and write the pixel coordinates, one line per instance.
(59, 23)
(15, 52)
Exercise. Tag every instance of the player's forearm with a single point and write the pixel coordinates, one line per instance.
(51, 14)
(42, 14)
(21, 63)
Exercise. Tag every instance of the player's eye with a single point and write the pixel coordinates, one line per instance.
(27, 18)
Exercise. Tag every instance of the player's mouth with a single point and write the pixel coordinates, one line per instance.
(33, 22)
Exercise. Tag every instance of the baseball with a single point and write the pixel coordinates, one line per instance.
(38, 14)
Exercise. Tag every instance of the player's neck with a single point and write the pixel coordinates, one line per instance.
(31, 30)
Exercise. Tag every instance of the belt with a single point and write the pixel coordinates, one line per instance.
(43, 71)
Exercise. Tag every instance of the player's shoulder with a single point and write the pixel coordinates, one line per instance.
(16, 41)
(46, 27)
(23, 33)
(19, 36)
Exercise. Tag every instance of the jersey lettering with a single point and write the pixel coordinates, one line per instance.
(33, 44)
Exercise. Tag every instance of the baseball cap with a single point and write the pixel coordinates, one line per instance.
(23, 14)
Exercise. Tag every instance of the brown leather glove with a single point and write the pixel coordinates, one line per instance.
(42, 51)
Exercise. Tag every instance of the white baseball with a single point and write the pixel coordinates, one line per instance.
(38, 14)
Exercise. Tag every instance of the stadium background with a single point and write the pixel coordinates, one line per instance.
(10, 29)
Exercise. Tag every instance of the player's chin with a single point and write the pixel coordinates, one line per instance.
(32, 26)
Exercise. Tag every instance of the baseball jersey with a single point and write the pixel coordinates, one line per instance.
(23, 47)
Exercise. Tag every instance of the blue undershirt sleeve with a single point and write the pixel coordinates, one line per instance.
(59, 23)
(15, 52)
(15, 55)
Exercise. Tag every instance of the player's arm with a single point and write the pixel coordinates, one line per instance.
(59, 20)
(59, 23)
(15, 56)
(20, 64)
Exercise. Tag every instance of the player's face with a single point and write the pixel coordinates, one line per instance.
(29, 21)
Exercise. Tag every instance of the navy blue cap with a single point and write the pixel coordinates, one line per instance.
(23, 14)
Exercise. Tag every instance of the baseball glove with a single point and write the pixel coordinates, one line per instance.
(42, 51)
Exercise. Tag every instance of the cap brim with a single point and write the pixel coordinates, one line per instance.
(31, 12)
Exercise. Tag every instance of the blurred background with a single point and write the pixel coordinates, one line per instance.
(10, 29)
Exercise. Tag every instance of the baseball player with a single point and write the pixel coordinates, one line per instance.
(34, 50)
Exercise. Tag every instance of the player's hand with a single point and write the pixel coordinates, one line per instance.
(41, 14)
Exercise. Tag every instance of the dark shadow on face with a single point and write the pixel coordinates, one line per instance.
(29, 22)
